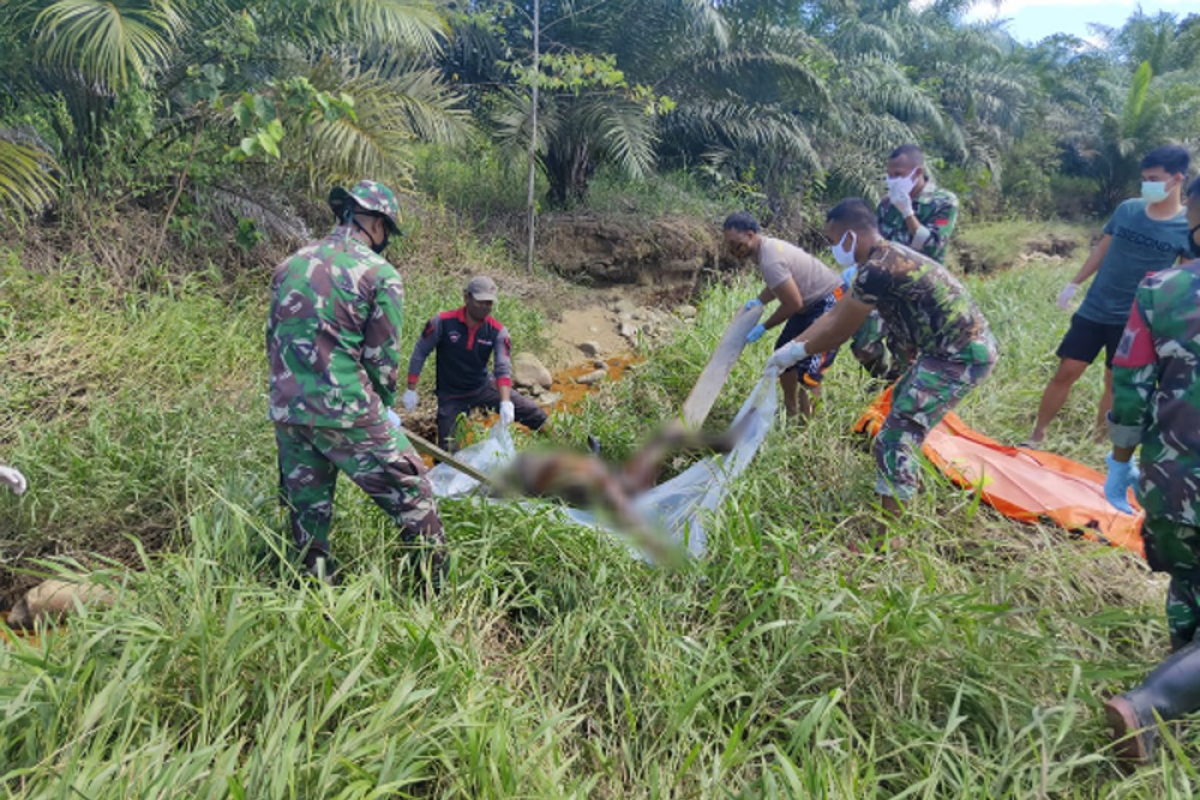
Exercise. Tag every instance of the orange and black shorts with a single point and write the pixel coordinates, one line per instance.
(811, 369)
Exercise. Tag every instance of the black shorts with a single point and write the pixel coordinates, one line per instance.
(1085, 339)
(525, 411)
(811, 369)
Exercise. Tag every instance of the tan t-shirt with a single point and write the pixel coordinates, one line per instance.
(779, 260)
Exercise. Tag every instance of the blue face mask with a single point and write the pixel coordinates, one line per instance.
(1154, 191)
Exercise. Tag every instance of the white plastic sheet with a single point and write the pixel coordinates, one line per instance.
(679, 507)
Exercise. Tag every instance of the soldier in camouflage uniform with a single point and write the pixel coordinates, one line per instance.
(1156, 404)
(333, 348)
(930, 318)
(916, 213)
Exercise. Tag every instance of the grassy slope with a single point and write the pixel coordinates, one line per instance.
(969, 666)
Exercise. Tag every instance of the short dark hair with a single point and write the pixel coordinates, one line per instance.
(854, 213)
(910, 150)
(741, 221)
(1193, 192)
(1171, 157)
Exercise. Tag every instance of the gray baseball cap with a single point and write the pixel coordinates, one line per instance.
(481, 287)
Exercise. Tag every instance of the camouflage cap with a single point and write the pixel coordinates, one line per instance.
(368, 196)
(482, 287)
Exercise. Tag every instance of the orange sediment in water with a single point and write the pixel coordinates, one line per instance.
(8, 635)
(566, 382)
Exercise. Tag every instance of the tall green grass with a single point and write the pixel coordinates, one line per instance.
(114, 401)
(970, 665)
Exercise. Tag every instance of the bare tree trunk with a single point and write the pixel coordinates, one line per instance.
(533, 130)
(183, 176)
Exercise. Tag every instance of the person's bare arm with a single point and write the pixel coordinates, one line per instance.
(836, 327)
(1094, 260)
(790, 302)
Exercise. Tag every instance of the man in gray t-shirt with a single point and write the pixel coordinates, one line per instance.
(805, 289)
(1144, 235)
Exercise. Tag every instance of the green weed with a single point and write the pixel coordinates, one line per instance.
(970, 665)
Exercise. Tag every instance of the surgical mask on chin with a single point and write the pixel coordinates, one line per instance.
(381, 246)
(1154, 191)
(845, 257)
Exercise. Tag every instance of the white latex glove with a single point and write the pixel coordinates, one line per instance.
(1065, 296)
(786, 357)
(507, 413)
(409, 400)
(393, 418)
(12, 477)
(902, 202)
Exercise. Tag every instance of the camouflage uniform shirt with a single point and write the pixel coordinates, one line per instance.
(1156, 392)
(936, 209)
(333, 335)
(926, 310)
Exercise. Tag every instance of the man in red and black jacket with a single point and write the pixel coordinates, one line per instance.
(465, 339)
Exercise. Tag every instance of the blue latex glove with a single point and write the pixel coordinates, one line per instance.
(848, 276)
(753, 302)
(755, 333)
(1121, 478)
(393, 418)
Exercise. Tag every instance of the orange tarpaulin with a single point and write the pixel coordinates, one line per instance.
(1026, 485)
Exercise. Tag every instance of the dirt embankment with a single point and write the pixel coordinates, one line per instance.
(669, 253)
(990, 248)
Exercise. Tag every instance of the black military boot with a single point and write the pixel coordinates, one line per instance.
(1170, 691)
(320, 566)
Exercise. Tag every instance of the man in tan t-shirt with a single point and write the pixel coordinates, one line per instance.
(805, 289)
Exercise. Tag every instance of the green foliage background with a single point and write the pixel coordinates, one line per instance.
(792, 102)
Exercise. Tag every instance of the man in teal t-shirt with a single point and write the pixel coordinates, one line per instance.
(1144, 235)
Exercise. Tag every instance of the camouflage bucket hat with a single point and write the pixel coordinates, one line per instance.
(368, 196)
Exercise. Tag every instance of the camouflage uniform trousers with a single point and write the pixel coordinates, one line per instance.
(1174, 548)
(872, 349)
(929, 390)
(379, 460)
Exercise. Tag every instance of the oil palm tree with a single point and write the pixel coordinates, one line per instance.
(87, 53)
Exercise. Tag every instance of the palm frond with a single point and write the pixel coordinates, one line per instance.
(884, 88)
(227, 204)
(433, 110)
(394, 104)
(622, 131)
(114, 43)
(26, 179)
(414, 24)
(857, 38)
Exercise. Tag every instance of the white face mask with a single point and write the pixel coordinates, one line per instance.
(1154, 191)
(903, 184)
(845, 258)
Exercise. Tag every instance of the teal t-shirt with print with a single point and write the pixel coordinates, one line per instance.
(1139, 246)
